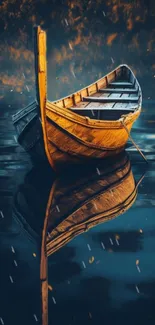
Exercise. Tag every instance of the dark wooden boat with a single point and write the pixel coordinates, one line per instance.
(29, 132)
(91, 123)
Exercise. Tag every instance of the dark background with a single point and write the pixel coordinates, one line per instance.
(85, 40)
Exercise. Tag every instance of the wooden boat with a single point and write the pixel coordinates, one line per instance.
(91, 123)
(29, 132)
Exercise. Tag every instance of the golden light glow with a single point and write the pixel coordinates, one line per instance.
(88, 46)
(91, 259)
(111, 38)
(50, 287)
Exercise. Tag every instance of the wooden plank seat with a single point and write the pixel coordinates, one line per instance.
(111, 99)
(103, 109)
(119, 90)
(105, 112)
(121, 84)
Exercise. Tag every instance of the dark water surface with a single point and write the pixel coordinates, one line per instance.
(95, 278)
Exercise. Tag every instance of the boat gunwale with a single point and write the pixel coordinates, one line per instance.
(88, 122)
(24, 111)
(95, 82)
(84, 142)
(65, 110)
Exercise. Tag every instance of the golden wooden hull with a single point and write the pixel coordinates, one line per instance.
(70, 133)
(70, 141)
(92, 123)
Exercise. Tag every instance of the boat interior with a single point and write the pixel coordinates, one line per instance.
(109, 98)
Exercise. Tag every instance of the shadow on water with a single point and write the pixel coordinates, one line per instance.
(20, 248)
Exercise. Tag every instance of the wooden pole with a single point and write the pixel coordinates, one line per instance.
(41, 83)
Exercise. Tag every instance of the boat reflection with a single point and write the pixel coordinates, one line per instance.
(81, 199)
(88, 198)
(49, 212)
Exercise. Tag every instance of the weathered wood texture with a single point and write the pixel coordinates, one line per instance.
(86, 124)
(41, 81)
(111, 99)
(119, 90)
(70, 136)
(69, 139)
